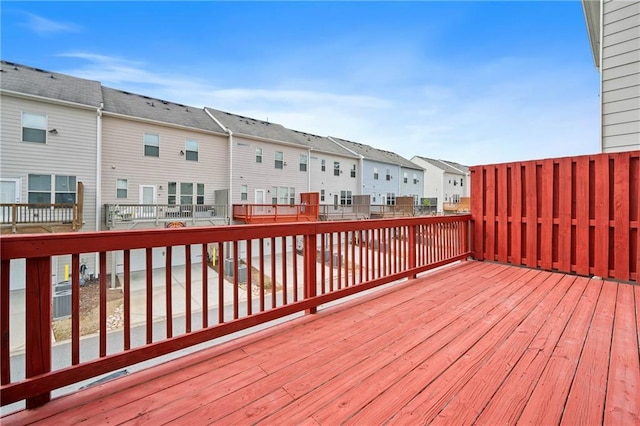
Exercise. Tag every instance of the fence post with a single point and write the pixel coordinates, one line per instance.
(38, 326)
(310, 243)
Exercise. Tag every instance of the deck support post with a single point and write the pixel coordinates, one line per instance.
(38, 325)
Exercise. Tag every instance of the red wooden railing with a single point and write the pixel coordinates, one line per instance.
(575, 214)
(275, 213)
(289, 268)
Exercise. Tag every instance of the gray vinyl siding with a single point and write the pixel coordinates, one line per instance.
(331, 183)
(264, 176)
(71, 152)
(411, 188)
(380, 187)
(621, 76)
(123, 158)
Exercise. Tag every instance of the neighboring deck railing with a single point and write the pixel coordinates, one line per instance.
(127, 214)
(288, 268)
(16, 214)
(573, 214)
(275, 213)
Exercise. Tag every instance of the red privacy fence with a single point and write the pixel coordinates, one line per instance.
(573, 214)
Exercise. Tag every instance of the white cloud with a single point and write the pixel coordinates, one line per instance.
(44, 26)
(492, 112)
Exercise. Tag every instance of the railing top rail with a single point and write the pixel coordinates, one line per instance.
(43, 245)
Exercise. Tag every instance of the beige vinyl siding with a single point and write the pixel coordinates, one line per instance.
(71, 152)
(621, 76)
(264, 175)
(123, 158)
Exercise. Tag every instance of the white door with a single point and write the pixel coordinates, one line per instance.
(147, 197)
(260, 200)
(9, 194)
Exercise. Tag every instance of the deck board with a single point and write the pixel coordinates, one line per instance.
(477, 342)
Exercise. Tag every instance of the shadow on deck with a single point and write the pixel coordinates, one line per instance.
(476, 342)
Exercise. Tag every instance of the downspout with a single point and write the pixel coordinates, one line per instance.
(309, 170)
(98, 214)
(230, 192)
(601, 69)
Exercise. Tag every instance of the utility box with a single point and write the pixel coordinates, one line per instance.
(242, 270)
(61, 304)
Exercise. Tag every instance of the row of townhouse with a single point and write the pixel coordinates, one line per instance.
(129, 161)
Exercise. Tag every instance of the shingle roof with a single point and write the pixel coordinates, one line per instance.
(375, 154)
(447, 166)
(134, 105)
(252, 127)
(51, 85)
(320, 144)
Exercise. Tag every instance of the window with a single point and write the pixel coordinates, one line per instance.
(336, 168)
(323, 165)
(375, 173)
(405, 179)
(461, 181)
(200, 193)
(151, 145)
(121, 188)
(456, 198)
(345, 198)
(388, 174)
(274, 195)
(244, 192)
(191, 147)
(39, 189)
(391, 198)
(322, 194)
(283, 195)
(258, 155)
(172, 192)
(353, 171)
(186, 193)
(279, 163)
(65, 190)
(34, 127)
(415, 178)
(292, 196)
(303, 163)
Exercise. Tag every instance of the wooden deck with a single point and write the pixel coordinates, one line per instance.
(473, 343)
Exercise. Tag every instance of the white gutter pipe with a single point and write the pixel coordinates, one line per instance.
(230, 193)
(98, 213)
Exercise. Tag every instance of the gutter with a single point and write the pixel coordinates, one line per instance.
(230, 193)
(361, 160)
(99, 181)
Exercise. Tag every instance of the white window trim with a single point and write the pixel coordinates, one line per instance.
(46, 126)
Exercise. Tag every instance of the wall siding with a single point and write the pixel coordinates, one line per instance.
(264, 175)
(328, 181)
(621, 76)
(123, 158)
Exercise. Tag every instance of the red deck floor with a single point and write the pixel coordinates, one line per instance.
(475, 343)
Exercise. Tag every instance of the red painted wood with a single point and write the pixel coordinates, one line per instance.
(5, 343)
(477, 211)
(249, 277)
(546, 194)
(75, 307)
(236, 283)
(168, 287)
(582, 244)
(516, 214)
(585, 403)
(490, 213)
(149, 295)
(221, 258)
(127, 299)
(621, 219)
(532, 214)
(502, 192)
(566, 198)
(601, 243)
(187, 285)
(310, 244)
(622, 404)
(103, 304)
(38, 327)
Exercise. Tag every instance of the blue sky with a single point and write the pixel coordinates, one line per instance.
(473, 82)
